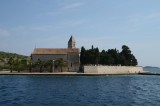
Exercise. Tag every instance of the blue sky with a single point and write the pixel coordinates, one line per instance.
(107, 24)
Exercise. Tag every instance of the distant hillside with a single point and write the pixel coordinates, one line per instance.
(8, 55)
(4, 56)
(152, 69)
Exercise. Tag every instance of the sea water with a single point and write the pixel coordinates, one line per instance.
(124, 90)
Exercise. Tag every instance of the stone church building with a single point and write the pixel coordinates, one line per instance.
(70, 55)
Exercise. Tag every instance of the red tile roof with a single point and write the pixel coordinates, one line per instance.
(55, 51)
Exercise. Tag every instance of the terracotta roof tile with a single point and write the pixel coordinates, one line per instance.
(55, 51)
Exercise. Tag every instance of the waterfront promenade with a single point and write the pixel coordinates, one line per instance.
(71, 73)
(57, 73)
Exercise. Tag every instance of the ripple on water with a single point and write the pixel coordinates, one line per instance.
(80, 91)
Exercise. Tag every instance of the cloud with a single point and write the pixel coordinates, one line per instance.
(62, 25)
(72, 23)
(144, 19)
(4, 32)
(153, 16)
(138, 22)
(65, 6)
(42, 28)
(71, 6)
(29, 29)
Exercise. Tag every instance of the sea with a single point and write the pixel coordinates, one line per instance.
(43, 90)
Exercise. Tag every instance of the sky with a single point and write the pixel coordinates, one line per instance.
(106, 24)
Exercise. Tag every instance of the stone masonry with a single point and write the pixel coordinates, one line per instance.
(70, 54)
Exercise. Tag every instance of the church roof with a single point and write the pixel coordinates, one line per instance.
(55, 51)
(71, 39)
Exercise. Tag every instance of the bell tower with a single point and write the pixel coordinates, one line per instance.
(71, 42)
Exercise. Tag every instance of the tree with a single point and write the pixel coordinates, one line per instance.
(11, 62)
(110, 57)
(49, 64)
(97, 55)
(40, 64)
(83, 55)
(61, 63)
(30, 65)
(128, 58)
(3, 63)
(103, 58)
(17, 64)
(134, 61)
(90, 56)
(23, 64)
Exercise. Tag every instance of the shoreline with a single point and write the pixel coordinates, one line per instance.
(72, 73)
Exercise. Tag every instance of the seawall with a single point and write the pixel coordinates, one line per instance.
(113, 69)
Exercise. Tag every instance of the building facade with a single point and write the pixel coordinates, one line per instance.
(70, 55)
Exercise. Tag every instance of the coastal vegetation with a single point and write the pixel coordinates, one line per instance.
(110, 57)
(49, 65)
(12, 61)
(60, 63)
(16, 62)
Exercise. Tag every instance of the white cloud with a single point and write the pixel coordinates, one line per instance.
(29, 29)
(42, 28)
(65, 6)
(62, 25)
(72, 5)
(4, 32)
(153, 16)
(72, 23)
(144, 19)
(139, 22)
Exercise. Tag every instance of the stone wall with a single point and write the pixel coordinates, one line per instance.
(112, 69)
(90, 69)
(72, 60)
(48, 57)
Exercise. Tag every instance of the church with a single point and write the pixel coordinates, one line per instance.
(70, 55)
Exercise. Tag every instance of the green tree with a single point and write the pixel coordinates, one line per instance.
(30, 64)
(103, 57)
(127, 57)
(90, 56)
(83, 56)
(110, 57)
(122, 60)
(97, 55)
(49, 64)
(23, 64)
(114, 56)
(11, 63)
(17, 64)
(40, 64)
(134, 61)
(61, 63)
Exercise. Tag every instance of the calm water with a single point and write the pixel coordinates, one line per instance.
(80, 91)
(157, 70)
